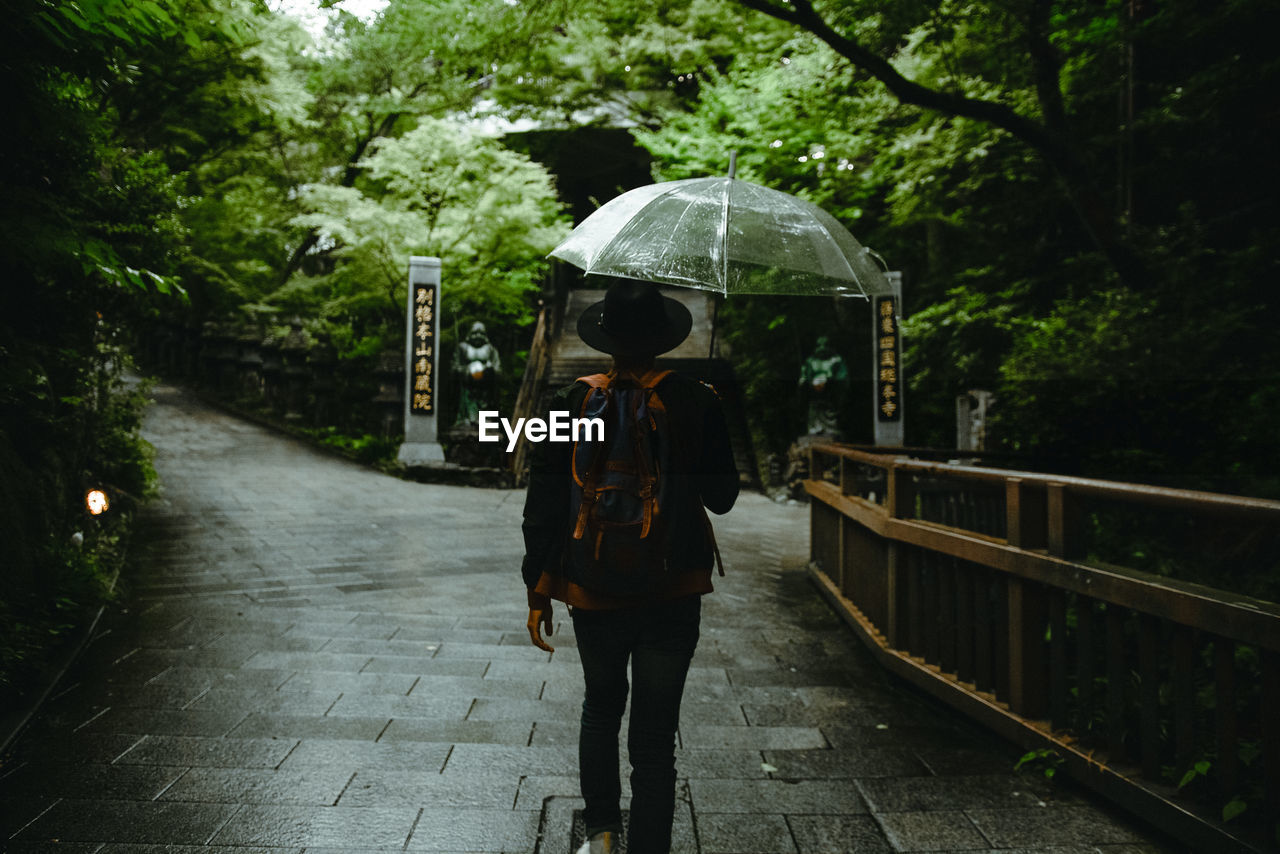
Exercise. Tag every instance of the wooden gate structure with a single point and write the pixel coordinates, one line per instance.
(994, 591)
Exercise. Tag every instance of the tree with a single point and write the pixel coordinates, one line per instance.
(1026, 32)
(88, 237)
(1006, 291)
(490, 214)
(416, 58)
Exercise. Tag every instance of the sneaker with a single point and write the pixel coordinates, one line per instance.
(601, 843)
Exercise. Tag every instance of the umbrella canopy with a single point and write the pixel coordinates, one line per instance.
(724, 235)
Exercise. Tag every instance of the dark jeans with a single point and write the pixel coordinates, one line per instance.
(659, 641)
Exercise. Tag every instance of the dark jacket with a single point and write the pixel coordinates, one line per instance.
(701, 472)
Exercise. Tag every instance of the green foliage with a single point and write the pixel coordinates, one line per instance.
(1198, 770)
(90, 188)
(1045, 759)
(1005, 288)
(365, 448)
(490, 215)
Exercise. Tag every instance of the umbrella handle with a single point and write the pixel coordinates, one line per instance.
(715, 314)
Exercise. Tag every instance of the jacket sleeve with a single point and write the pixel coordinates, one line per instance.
(716, 471)
(546, 503)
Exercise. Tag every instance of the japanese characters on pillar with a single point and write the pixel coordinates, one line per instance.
(422, 377)
(421, 446)
(887, 367)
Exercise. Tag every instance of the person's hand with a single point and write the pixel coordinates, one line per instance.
(540, 612)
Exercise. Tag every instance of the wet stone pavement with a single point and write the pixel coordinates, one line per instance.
(317, 657)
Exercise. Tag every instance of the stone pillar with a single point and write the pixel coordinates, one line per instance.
(887, 376)
(421, 364)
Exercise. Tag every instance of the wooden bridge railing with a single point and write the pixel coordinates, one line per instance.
(994, 591)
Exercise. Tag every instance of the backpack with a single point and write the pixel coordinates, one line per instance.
(618, 496)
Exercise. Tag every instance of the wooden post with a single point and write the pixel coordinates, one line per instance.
(1065, 522)
(1028, 613)
(1024, 515)
(901, 499)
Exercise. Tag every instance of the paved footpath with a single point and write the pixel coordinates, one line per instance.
(321, 658)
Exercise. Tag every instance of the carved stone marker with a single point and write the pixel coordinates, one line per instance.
(421, 414)
(886, 372)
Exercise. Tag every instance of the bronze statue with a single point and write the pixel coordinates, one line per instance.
(824, 376)
(477, 364)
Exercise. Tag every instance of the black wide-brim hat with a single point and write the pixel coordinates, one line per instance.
(634, 319)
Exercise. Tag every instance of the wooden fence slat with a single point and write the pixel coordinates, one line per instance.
(1000, 636)
(983, 657)
(1086, 621)
(929, 619)
(842, 579)
(1228, 765)
(1270, 725)
(947, 640)
(965, 633)
(915, 619)
(1117, 677)
(1149, 670)
(1184, 698)
(967, 568)
(1058, 659)
(897, 596)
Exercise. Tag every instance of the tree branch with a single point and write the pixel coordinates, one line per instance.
(1049, 137)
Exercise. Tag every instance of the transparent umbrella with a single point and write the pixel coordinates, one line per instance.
(723, 235)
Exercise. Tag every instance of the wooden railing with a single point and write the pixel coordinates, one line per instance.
(994, 590)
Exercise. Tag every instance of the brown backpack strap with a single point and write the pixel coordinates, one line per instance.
(592, 475)
(597, 380)
(651, 378)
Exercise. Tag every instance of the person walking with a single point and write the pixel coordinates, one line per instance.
(639, 604)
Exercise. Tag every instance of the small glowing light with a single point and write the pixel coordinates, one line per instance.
(803, 159)
(786, 60)
(777, 143)
(96, 501)
(818, 154)
(626, 68)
